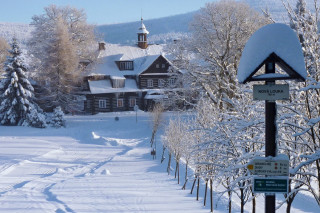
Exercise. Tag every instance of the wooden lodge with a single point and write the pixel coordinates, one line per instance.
(128, 76)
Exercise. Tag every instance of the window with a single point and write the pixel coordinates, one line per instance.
(163, 65)
(88, 104)
(132, 102)
(171, 82)
(120, 102)
(141, 37)
(157, 65)
(126, 65)
(102, 104)
(150, 83)
(161, 82)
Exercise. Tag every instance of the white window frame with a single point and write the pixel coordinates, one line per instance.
(141, 37)
(163, 65)
(120, 100)
(172, 82)
(132, 102)
(102, 104)
(161, 82)
(126, 65)
(149, 83)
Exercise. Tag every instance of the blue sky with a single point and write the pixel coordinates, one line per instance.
(100, 11)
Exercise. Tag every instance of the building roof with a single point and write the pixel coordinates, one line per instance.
(104, 86)
(142, 59)
(143, 29)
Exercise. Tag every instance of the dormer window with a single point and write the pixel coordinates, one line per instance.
(125, 65)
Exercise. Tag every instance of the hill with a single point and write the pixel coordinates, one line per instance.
(158, 28)
(161, 29)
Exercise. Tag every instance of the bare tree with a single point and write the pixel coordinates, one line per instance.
(156, 116)
(219, 32)
(61, 73)
(61, 39)
(4, 46)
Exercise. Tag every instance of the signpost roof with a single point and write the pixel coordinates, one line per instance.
(272, 43)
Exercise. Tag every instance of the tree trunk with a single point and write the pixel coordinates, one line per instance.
(186, 174)
(194, 182)
(205, 193)
(198, 186)
(211, 195)
(229, 204)
(169, 163)
(162, 157)
(178, 172)
(289, 202)
(253, 204)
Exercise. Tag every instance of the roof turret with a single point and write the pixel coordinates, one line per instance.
(143, 28)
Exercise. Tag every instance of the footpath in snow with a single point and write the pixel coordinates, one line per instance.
(98, 164)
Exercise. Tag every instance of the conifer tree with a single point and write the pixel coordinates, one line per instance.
(58, 120)
(16, 93)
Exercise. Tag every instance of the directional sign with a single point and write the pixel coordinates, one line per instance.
(268, 166)
(271, 92)
(270, 185)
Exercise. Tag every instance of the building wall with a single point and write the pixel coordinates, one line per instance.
(111, 102)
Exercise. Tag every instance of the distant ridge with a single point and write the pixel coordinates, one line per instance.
(161, 29)
(126, 32)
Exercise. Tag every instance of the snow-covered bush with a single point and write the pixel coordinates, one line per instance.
(57, 118)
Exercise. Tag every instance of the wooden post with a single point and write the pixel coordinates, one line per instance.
(270, 135)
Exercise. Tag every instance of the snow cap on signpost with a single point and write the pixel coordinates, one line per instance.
(277, 43)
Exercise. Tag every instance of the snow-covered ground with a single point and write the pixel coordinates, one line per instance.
(96, 164)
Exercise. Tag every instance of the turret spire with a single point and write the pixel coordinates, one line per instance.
(142, 36)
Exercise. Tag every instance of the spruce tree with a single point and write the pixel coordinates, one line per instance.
(58, 120)
(17, 94)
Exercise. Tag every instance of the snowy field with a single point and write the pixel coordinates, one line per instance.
(96, 164)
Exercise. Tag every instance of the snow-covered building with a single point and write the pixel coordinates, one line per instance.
(126, 76)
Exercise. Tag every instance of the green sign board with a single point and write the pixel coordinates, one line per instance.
(270, 185)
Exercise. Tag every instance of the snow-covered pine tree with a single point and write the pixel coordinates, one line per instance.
(16, 93)
(58, 118)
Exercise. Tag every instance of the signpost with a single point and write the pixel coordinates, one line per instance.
(270, 185)
(267, 48)
(271, 92)
(269, 167)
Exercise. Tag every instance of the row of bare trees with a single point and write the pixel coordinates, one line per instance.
(227, 130)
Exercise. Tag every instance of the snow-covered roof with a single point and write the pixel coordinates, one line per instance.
(155, 94)
(142, 59)
(143, 29)
(104, 86)
(277, 38)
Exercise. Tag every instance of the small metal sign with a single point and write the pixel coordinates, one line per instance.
(269, 167)
(271, 92)
(270, 185)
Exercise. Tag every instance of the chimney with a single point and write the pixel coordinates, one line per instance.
(102, 46)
